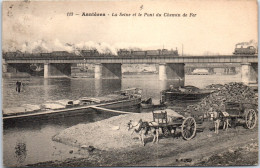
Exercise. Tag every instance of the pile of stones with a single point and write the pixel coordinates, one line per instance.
(232, 92)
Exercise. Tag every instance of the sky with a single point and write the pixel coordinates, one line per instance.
(42, 26)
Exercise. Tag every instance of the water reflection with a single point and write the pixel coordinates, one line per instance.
(107, 86)
(46, 87)
(20, 152)
(98, 87)
(29, 141)
(163, 85)
(36, 123)
(166, 84)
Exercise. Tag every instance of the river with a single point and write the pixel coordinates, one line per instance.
(29, 142)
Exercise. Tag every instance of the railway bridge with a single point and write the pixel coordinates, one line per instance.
(170, 67)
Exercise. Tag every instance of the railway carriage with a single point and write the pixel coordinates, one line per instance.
(147, 53)
(60, 54)
(89, 53)
(138, 53)
(153, 53)
(45, 54)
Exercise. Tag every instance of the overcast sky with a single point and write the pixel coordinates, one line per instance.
(217, 27)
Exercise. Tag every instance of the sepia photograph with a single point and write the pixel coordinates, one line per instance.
(122, 83)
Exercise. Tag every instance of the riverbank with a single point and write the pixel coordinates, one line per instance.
(206, 149)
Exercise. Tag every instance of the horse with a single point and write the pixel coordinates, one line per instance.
(226, 121)
(218, 117)
(143, 128)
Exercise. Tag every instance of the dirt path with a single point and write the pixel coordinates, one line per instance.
(203, 147)
(176, 151)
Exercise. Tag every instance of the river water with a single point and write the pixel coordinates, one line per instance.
(28, 142)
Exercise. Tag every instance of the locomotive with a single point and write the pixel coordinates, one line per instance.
(147, 53)
(18, 54)
(240, 50)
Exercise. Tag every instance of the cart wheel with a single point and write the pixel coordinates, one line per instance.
(250, 118)
(166, 131)
(188, 128)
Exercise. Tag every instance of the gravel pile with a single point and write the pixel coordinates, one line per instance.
(232, 92)
(106, 134)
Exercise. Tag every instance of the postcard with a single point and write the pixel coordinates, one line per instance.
(130, 83)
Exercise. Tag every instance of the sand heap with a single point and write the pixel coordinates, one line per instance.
(106, 134)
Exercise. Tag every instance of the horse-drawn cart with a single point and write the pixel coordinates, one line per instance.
(170, 123)
(245, 111)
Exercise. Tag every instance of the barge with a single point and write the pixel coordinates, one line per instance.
(122, 99)
(187, 93)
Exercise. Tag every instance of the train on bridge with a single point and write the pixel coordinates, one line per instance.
(147, 53)
(92, 53)
(241, 50)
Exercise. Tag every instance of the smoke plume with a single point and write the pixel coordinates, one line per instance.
(250, 43)
(47, 46)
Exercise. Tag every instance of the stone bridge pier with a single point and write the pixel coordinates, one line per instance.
(57, 70)
(249, 73)
(108, 71)
(4, 66)
(172, 71)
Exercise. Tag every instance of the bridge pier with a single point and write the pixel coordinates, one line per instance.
(162, 72)
(98, 71)
(172, 71)
(56, 70)
(46, 70)
(211, 70)
(4, 66)
(108, 71)
(249, 73)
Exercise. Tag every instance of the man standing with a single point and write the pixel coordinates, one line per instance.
(18, 86)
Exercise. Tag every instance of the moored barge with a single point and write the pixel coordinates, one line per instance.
(123, 99)
(187, 93)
